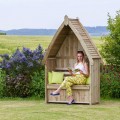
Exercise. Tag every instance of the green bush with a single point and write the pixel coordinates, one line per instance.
(111, 47)
(110, 82)
(2, 83)
(38, 83)
(110, 50)
(18, 86)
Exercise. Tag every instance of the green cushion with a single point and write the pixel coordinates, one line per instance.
(57, 77)
(88, 80)
(49, 77)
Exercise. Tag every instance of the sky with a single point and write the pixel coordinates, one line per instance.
(49, 14)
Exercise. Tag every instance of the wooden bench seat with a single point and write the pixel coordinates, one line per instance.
(82, 87)
(80, 92)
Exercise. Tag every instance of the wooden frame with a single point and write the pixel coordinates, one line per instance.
(61, 53)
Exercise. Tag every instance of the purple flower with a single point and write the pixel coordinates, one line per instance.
(30, 64)
(8, 65)
(24, 61)
(5, 56)
(27, 51)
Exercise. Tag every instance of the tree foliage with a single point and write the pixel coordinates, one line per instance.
(111, 47)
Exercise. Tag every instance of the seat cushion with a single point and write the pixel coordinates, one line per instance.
(57, 77)
(88, 80)
(49, 77)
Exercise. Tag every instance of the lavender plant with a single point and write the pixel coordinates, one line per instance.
(19, 68)
(23, 62)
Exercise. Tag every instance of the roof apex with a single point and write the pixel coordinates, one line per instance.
(66, 20)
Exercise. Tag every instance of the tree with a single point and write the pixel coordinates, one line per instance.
(111, 47)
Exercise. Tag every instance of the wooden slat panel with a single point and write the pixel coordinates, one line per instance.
(84, 37)
(76, 25)
(90, 45)
(93, 52)
(80, 30)
(90, 48)
(55, 86)
(73, 20)
(86, 40)
(46, 82)
(61, 69)
(82, 34)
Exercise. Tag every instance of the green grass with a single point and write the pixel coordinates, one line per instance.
(8, 44)
(35, 109)
(98, 41)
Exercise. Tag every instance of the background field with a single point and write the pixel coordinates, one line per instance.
(8, 44)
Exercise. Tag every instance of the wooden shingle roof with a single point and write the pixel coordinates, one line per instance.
(80, 32)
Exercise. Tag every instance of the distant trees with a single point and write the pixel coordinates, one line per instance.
(2, 33)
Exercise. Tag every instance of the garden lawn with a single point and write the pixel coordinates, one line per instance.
(32, 109)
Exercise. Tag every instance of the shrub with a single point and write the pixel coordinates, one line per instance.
(38, 83)
(111, 47)
(19, 68)
(110, 82)
(2, 82)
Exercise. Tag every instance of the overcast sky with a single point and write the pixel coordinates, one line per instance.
(16, 14)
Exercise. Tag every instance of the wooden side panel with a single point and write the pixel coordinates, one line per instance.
(80, 96)
(51, 65)
(46, 82)
(95, 82)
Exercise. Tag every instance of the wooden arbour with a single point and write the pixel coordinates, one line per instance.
(61, 53)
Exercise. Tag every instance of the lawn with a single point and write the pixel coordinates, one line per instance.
(8, 44)
(34, 109)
